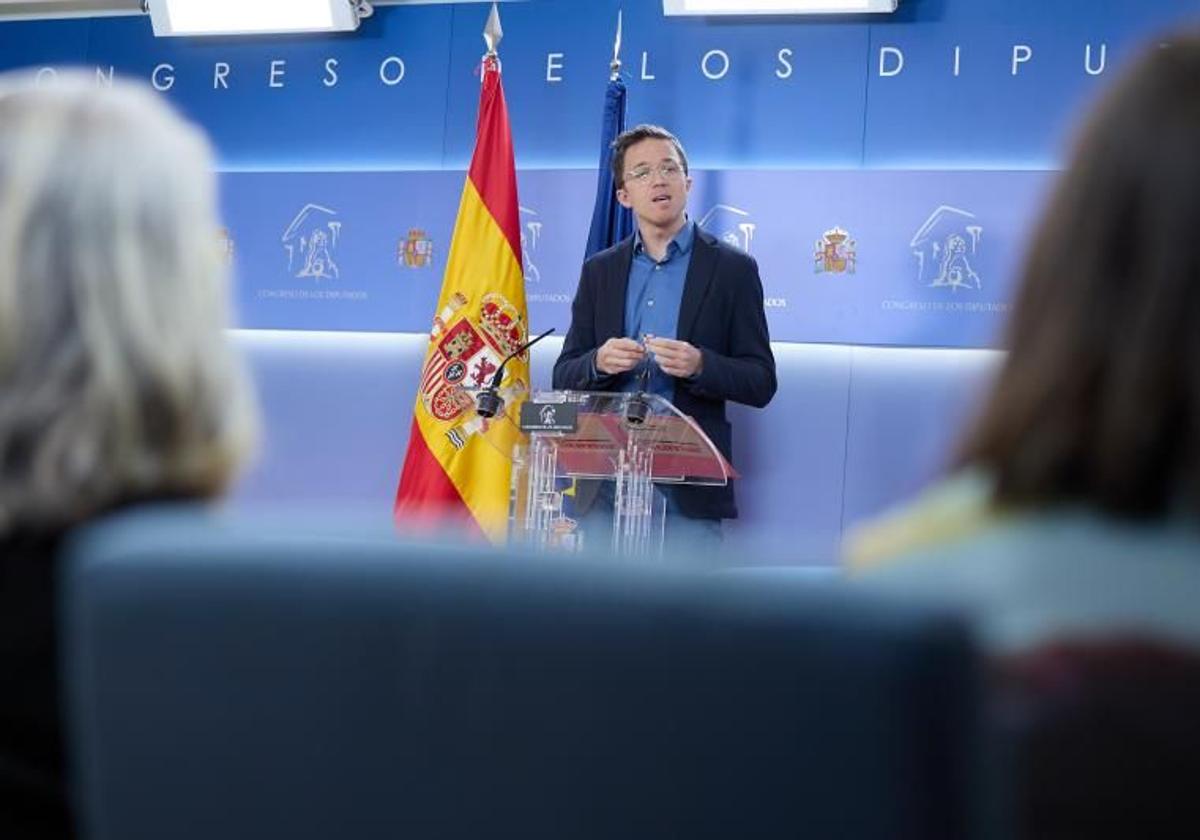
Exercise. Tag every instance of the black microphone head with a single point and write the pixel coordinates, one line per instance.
(637, 409)
(488, 403)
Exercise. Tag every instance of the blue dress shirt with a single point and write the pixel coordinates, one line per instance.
(652, 301)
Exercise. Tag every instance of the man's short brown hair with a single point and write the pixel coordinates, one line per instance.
(637, 134)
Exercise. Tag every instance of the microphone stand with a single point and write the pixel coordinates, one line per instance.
(488, 402)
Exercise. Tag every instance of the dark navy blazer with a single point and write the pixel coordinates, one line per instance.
(721, 313)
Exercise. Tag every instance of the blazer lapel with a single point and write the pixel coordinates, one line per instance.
(610, 314)
(701, 270)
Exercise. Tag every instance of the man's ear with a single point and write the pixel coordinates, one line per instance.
(623, 198)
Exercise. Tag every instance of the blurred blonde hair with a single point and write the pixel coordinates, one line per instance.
(117, 381)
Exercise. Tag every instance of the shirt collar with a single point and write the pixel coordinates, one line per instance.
(682, 241)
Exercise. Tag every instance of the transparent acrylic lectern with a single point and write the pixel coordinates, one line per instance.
(632, 440)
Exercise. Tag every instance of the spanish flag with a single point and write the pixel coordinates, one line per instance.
(458, 464)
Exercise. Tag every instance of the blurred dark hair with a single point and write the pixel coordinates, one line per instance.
(1099, 398)
(637, 134)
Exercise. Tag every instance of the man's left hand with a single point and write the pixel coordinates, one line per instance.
(676, 358)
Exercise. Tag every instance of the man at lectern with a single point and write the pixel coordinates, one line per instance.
(672, 310)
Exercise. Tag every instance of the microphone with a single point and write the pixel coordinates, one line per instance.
(637, 409)
(488, 402)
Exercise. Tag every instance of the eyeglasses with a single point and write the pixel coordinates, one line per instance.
(668, 170)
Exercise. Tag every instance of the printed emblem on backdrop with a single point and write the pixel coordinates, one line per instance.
(225, 245)
(531, 232)
(311, 241)
(835, 253)
(471, 340)
(945, 247)
(416, 250)
(730, 224)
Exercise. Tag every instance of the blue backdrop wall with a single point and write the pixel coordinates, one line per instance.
(885, 171)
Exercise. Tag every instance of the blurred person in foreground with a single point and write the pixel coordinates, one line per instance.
(117, 384)
(1070, 529)
(1084, 466)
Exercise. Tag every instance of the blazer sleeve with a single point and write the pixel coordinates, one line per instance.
(575, 368)
(746, 372)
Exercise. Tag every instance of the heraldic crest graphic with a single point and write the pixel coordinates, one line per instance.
(470, 342)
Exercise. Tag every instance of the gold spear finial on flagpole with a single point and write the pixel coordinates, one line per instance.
(616, 61)
(492, 33)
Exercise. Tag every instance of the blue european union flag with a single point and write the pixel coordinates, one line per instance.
(610, 221)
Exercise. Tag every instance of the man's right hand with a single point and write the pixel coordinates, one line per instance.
(618, 355)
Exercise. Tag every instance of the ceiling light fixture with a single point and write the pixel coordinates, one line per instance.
(254, 17)
(777, 7)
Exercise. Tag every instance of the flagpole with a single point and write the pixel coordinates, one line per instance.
(616, 59)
